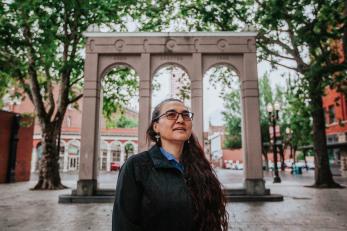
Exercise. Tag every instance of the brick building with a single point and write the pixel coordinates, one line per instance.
(116, 145)
(335, 107)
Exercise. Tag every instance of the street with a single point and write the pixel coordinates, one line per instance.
(303, 208)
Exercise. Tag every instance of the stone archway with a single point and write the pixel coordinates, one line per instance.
(195, 53)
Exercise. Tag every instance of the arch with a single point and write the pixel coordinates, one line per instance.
(163, 65)
(235, 62)
(218, 64)
(38, 144)
(103, 155)
(108, 62)
(62, 153)
(175, 85)
(194, 53)
(129, 149)
(116, 151)
(73, 152)
(219, 84)
(107, 69)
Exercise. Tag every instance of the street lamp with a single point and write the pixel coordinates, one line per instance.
(273, 117)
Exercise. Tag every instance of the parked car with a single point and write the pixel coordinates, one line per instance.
(115, 166)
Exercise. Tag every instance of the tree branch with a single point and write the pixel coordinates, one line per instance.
(68, 60)
(76, 98)
(34, 84)
(282, 65)
(296, 53)
(75, 81)
(268, 40)
(26, 88)
(276, 54)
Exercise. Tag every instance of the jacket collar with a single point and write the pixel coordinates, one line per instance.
(159, 160)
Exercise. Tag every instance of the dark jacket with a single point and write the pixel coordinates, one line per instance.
(151, 195)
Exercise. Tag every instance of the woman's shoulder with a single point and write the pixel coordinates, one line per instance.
(138, 165)
(141, 158)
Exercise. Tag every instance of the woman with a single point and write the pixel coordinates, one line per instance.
(172, 185)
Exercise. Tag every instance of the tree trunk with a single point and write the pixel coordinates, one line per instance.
(323, 175)
(49, 177)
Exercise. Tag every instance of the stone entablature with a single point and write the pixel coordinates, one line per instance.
(159, 43)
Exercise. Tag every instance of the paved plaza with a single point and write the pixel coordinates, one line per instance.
(303, 208)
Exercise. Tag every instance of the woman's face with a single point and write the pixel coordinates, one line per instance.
(173, 130)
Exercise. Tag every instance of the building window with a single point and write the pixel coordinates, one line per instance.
(332, 139)
(331, 111)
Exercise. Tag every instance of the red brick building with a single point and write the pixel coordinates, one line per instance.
(116, 145)
(335, 107)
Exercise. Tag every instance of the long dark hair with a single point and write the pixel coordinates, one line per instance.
(208, 198)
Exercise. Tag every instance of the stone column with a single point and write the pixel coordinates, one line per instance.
(251, 136)
(145, 100)
(87, 183)
(197, 94)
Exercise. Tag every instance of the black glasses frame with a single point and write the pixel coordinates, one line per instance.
(191, 115)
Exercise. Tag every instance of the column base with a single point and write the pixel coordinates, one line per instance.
(86, 188)
(255, 187)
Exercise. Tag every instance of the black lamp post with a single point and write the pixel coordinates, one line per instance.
(273, 117)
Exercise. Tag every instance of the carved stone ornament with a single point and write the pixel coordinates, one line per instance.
(119, 44)
(196, 44)
(249, 44)
(145, 45)
(170, 44)
(91, 45)
(222, 44)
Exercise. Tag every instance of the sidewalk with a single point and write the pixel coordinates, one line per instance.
(303, 208)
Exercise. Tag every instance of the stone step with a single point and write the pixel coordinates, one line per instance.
(240, 191)
(107, 196)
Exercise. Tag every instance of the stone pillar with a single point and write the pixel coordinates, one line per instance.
(197, 94)
(145, 100)
(87, 183)
(251, 135)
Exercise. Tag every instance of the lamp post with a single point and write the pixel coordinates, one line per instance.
(273, 117)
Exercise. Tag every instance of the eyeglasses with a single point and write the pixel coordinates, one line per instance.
(173, 115)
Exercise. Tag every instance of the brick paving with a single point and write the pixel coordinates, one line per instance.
(303, 208)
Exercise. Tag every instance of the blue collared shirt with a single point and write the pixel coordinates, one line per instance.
(172, 160)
